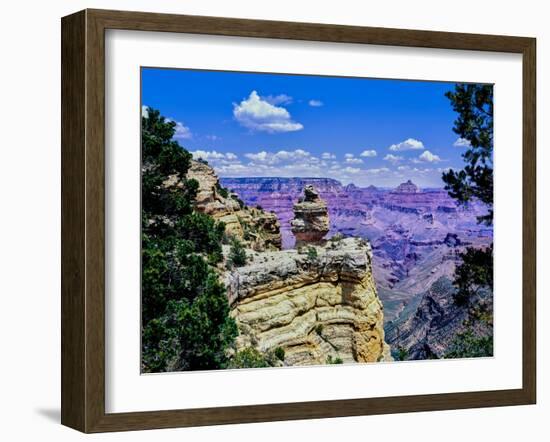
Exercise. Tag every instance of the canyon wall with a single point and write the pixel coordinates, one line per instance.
(318, 304)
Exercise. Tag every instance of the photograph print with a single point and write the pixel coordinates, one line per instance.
(301, 220)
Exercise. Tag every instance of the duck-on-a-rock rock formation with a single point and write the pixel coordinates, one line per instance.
(318, 302)
(311, 221)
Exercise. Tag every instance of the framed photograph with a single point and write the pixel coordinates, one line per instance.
(266, 221)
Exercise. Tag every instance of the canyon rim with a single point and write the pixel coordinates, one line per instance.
(296, 220)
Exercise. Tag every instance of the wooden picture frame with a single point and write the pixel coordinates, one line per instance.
(83, 220)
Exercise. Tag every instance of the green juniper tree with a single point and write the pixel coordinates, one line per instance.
(474, 124)
(237, 254)
(474, 105)
(185, 312)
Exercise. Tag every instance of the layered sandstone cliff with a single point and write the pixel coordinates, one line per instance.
(256, 228)
(318, 306)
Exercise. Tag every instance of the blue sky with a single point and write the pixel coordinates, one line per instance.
(365, 131)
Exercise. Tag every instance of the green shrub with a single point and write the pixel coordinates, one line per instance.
(237, 254)
(467, 345)
(475, 273)
(222, 190)
(334, 361)
(280, 353)
(248, 358)
(312, 253)
(401, 354)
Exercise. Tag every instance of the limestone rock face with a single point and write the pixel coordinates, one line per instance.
(311, 221)
(257, 229)
(209, 199)
(315, 306)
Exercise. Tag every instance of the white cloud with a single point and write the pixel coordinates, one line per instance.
(281, 156)
(182, 132)
(429, 157)
(283, 163)
(257, 114)
(368, 153)
(213, 138)
(328, 156)
(408, 144)
(315, 103)
(462, 142)
(301, 163)
(350, 159)
(145, 111)
(260, 156)
(213, 155)
(378, 171)
(236, 169)
(393, 158)
(278, 99)
(352, 170)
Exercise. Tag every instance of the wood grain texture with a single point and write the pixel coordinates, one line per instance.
(529, 221)
(83, 220)
(73, 254)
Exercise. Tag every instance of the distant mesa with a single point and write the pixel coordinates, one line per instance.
(408, 187)
(350, 187)
(282, 184)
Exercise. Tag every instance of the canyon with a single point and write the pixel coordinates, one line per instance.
(417, 236)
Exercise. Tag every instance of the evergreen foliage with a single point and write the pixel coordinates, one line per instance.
(467, 345)
(475, 273)
(237, 254)
(334, 361)
(474, 105)
(185, 312)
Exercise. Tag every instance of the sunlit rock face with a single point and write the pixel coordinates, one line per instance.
(256, 228)
(311, 221)
(316, 306)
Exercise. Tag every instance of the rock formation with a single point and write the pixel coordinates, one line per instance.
(311, 221)
(256, 228)
(316, 306)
